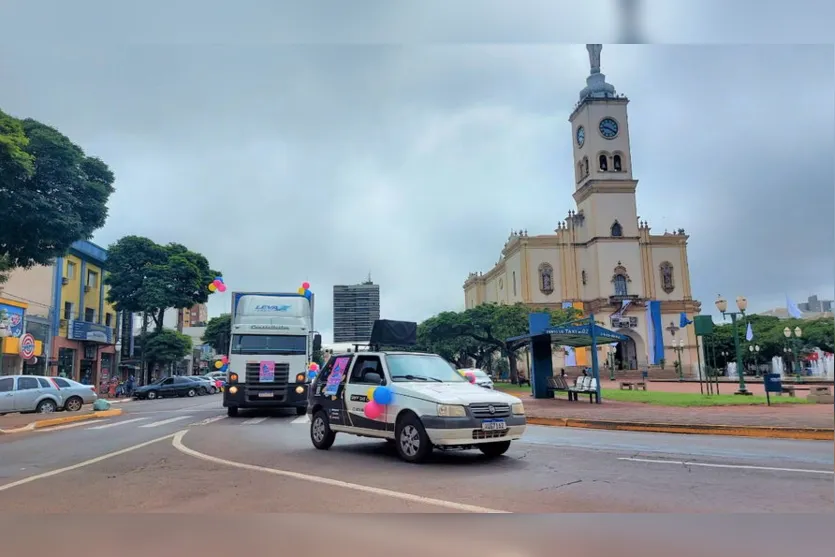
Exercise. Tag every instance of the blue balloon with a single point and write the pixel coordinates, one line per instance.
(308, 294)
(383, 395)
(219, 278)
(311, 374)
(224, 367)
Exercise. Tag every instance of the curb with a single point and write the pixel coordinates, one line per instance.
(40, 424)
(799, 433)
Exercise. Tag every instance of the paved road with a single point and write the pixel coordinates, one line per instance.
(185, 455)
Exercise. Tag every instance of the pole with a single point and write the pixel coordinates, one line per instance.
(715, 374)
(739, 361)
(699, 356)
(594, 364)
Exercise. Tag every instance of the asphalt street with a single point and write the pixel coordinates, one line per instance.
(185, 455)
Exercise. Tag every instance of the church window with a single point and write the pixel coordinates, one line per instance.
(579, 170)
(621, 280)
(585, 166)
(514, 283)
(546, 278)
(617, 230)
(666, 272)
(604, 162)
(616, 163)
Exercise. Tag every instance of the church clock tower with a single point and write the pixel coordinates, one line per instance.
(605, 188)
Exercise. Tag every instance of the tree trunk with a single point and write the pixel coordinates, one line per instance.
(142, 371)
(511, 360)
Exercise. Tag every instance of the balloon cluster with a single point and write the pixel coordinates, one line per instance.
(222, 364)
(468, 375)
(304, 290)
(312, 370)
(378, 399)
(217, 285)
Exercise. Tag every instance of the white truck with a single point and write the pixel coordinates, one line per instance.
(272, 343)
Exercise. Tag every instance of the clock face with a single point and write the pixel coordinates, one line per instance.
(581, 136)
(608, 128)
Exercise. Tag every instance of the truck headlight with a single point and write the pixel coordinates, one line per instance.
(233, 390)
(518, 409)
(299, 390)
(451, 411)
(300, 378)
(233, 377)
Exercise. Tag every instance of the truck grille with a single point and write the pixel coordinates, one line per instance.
(278, 386)
(482, 410)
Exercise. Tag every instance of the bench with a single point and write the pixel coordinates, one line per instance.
(790, 389)
(555, 385)
(630, 385)
(820, 394)
(584, 385)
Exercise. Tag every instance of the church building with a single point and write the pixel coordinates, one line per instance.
(602, 258)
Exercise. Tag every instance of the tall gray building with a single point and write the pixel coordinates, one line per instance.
(355, 308)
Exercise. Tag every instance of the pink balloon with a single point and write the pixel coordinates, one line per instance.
(217, 283)
(470, 376)
(373, 410)
(221, 288)
(305, 285)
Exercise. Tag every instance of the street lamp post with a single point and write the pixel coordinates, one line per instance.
(3, 334)
(795, 344)
(742, 305)
(679, 348)
(754, 349)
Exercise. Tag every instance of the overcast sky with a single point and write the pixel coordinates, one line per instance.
(298, 146)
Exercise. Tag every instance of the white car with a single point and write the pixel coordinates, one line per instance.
(432, 405)
(481, 377)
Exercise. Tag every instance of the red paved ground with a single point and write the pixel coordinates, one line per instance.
(14, 421)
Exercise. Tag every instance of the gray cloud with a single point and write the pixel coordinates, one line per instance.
(327, 160)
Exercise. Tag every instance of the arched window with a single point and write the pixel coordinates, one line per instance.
(617, 230)
(617, 164)
(579, 170)
(621, 288)
(585, 166)
(604, 162)
(514, 283)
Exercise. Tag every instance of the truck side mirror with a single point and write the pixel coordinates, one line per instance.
(317, 342)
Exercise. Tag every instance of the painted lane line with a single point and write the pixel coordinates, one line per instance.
(66, 426)
(178, 444)
(166, 422)
(115, 424)
(51, 473)
(301, 420)
(736, 466)
(253, 421)
(211, 420)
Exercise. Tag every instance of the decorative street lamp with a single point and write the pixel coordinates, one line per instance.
(794, 343)
(679, 348)
(754, 349)
(742, 305)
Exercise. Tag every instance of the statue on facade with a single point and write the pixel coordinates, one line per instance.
(594, 56)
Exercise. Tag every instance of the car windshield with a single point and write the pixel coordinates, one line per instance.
(479, 374)
(421, 367)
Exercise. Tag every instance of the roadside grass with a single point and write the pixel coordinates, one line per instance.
(684, 400)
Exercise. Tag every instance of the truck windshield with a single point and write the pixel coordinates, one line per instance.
(269, 344)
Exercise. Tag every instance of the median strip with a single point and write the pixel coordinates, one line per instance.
(61, 420)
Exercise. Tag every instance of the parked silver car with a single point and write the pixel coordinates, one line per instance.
(74, 395)
(28, 393)
(482, 379)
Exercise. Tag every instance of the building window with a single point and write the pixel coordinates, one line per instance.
(546, 278)
(604, 162)
(67, 310)
(666, 272)
(584, 277)
(92, 279)
(616, 163)
(89, 315)
(585, 166)
(514, 283)
(617, 230)
(108, 319)
(621, 289)
(70, 270)
(66, 363)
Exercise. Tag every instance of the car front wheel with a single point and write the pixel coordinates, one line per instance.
(412, 442)
(320, 431)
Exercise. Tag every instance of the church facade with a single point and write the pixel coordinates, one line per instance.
(602, 259)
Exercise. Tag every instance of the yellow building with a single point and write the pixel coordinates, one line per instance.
(602, 258)
(71, 297)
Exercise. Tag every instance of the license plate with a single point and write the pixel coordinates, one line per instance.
(266, 395)
(493, 425)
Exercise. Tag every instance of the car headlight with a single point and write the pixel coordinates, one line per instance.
(518, 409)
(451, 411)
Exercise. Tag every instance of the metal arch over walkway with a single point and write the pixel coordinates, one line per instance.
(541, 337)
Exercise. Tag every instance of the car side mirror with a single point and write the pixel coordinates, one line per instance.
(373, 377)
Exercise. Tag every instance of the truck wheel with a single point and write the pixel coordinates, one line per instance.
(412, 442)
(320, 431)
(494, 450)
(232, 411)
(301, 410)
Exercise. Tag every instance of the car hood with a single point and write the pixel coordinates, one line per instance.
(456, 393)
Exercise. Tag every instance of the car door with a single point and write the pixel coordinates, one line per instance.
(166, 388)
(7, 393)
(359, 383)
(26, 394)
(182, 385)
(329, 388)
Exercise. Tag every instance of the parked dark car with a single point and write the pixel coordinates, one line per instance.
(168, 387)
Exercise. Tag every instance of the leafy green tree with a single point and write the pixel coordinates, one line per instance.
(51, 193)
(218, 331)
(147, 277)
(318, 357)
(166, 347)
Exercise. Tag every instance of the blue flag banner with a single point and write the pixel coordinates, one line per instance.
(683, 321)
(792, 309)
(749, 333)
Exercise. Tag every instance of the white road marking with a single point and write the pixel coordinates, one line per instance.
(51, 473)
(208, 421)
(737, 466)
(178, 444)
(114, 424)
(301, 420)
(166, 422)
(253, 421)
(66, 426)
